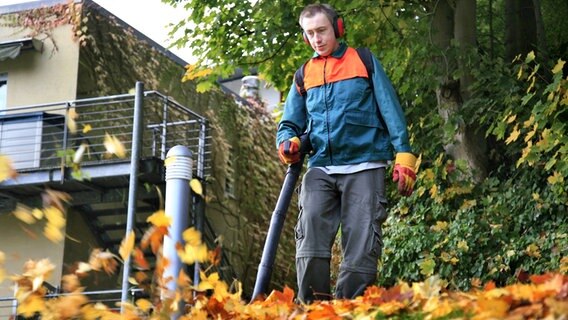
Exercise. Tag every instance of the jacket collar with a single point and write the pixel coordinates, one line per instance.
(337, 53)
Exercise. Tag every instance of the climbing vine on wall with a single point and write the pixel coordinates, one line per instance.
(40, 22)
(248, 133)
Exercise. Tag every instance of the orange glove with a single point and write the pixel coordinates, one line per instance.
(405, 172)
(289, 151)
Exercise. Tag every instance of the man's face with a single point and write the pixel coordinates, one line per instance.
(319, 31)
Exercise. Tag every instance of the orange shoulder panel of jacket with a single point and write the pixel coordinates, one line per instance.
(321, 70)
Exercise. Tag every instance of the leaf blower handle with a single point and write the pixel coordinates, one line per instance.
(277, 221)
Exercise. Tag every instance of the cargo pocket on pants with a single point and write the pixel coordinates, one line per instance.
(377, 241)
(377, 245)
(298, 230)
(299, 234)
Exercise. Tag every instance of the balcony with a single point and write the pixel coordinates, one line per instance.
(44, 142)
(61, 146)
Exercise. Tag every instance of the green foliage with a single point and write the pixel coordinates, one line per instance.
(513, 221)
(463, 232)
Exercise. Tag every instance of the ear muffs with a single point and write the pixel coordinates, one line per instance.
(338, 29)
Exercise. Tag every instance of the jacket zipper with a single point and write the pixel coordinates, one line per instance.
(327, 110)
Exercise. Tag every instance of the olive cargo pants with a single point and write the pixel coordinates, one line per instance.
(356, 202)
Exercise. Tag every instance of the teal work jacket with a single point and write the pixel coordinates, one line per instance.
(347, 121)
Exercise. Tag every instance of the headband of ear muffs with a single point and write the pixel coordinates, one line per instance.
(338, 28)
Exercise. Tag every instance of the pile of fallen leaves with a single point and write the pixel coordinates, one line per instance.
(540, 297)
(544, 297)
(536, 297)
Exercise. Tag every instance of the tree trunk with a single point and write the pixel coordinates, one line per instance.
(468, 143)
(540, 34)
(520, 28)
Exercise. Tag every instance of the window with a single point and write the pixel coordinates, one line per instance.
(3, 91)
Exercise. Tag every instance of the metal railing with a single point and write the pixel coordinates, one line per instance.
(146, 124)
(47, 136)
(110, 298)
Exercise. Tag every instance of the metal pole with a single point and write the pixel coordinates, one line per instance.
(201, 149)
(133, 184)
(178, 175)
(199, 204)
(164, 129)
(65, 138)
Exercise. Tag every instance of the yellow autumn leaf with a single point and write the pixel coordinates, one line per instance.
(159, 219)
(169, 161)
(467, 204)
(445, 256)
(196, 187)
(193, 253)
(53, 233)
(428, 289)
(514, 135)
(520, 73)
(440, 226)
(24, 214)
(144, 304)
(512, 118)
(220, 288)
(544, 141)
(86, 128)
(531, 86)
(78, 156)
(54, 216)
(555, 178)
(72, 115)
(530, 57)
(529, 122)
(192, 72)
(37, 213)
(83, 268)
(207, 282)
(29, 306)
(462, 245)
(559, 66)
(114, 146)
(192, 236)
(531, 133)
(525, 152)
(434, 191)
(420, 191)
(429, 175)
(126, 246)
(533, 250)
(6, 169)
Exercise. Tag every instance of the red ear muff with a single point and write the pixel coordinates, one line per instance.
(339, 27)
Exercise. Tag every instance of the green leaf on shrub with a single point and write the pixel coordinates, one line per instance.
(427, 266)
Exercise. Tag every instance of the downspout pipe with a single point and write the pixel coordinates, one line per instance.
(133, 183)
(179, 165)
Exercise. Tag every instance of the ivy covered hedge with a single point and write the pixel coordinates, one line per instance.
(514, 222)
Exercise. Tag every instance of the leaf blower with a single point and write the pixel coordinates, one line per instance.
(277, 220)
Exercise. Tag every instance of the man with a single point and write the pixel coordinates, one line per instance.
(354, 129)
